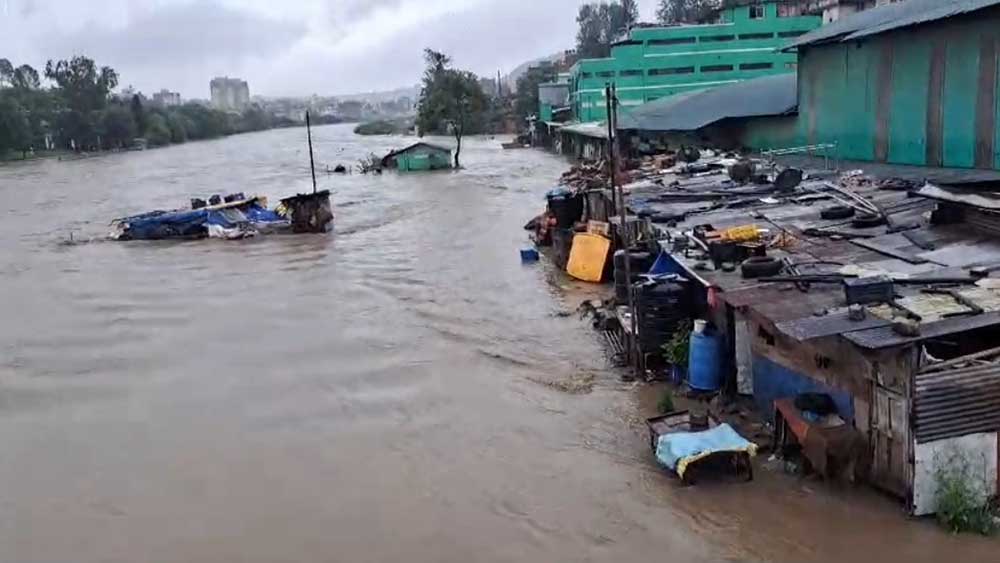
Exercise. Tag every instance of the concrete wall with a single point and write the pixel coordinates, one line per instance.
(973, 456)
(924, 96)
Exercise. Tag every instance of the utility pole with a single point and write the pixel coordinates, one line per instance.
(611, 99)
(312, 163)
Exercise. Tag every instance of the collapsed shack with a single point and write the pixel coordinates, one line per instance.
(882, 296)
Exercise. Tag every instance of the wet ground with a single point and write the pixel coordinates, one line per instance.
(402, 390)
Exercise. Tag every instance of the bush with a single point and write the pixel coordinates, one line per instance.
(960, 507)
(666, 403)
(675, 351)
(378, 128)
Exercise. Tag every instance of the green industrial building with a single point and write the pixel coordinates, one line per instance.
(655, 62)
(908, 83)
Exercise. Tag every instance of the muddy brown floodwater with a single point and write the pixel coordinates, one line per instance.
(396, 391)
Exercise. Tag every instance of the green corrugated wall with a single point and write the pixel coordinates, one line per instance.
(924, 95)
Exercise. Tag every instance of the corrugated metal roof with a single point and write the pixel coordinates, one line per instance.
(890, 17)
(689, 111)
(955, 403)
(597, 130)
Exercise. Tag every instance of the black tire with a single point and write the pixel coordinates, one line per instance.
(837, 212)
(761, 266)
(867, 221)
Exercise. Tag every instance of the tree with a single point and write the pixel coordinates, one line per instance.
(6, 72)
(25, 77)
(138, 112)
(15, 130)
(601, 24)
(157, 131)
(118, 126)
(526, 103)
(451, 100)
(84, 90)
(685, 11)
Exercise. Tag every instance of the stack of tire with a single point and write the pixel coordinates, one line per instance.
(660, 307)
(640, 263)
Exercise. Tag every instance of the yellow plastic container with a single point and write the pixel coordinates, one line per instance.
(745, 233)
(588, 257)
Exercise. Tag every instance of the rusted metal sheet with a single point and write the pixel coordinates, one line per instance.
(883, 100)
(817, 327)
(886, 337)
(955, 403)
(986, 117)
(935, 104)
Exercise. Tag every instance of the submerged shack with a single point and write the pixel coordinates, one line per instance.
(419, 157)
(881, 294)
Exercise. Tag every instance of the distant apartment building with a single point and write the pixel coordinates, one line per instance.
(230, 94)
(166, 98)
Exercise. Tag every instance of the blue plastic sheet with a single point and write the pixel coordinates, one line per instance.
(677, 451)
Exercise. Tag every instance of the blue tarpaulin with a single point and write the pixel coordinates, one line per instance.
(677, 451)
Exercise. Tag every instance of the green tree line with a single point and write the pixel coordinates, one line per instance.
(78, 112)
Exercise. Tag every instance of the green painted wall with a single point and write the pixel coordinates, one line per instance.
(662, 61)
(423, 158)
(921, 96)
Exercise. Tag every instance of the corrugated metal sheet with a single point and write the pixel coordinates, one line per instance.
(956, 403)
(890, 17)
(765, 96)
(886, 337)
(828, 325)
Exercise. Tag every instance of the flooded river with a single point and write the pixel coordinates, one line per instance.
(401, 390)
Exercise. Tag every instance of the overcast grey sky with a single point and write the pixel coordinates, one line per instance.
(286, 47)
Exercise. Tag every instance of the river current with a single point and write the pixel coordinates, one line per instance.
(402, 389)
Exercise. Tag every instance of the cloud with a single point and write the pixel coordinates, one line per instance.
(287, 47)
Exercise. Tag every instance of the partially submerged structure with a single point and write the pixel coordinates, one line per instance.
(882, 294)
(419, 157)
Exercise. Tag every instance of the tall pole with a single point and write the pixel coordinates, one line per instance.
(611, 96)
(312, 163)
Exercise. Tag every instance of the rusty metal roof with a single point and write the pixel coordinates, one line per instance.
(677, 204)
(954, 403)
(888, 18)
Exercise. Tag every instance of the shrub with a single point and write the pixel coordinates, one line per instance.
(960, 507)
(666, 403)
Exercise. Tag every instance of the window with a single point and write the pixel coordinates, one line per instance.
(675, 70)
(792, 65)
(672, 41)
(586, 75)
(757, 12)
(756, 66)
(757, 36)
(716, 68)
(789, 10)
(606, 74)
(717, 38)
(787, 34)
(630, 73)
